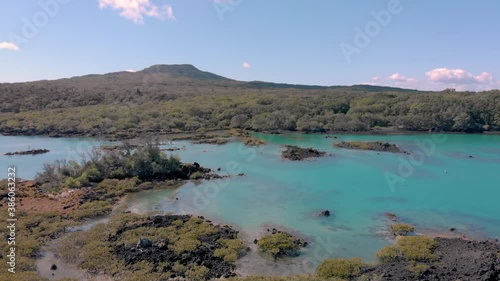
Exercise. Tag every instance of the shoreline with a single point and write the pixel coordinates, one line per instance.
(227, 133)
(188, 135)
(254, 260)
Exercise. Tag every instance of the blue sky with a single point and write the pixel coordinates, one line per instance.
(424, 44)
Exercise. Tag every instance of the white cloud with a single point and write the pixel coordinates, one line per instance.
(8, 46)
(246, 65)
(441, 78)
(368, 83)
(136, 10)
(401, 78)
(458, 76)
(170, 12)
(130, 70)
(396, 79)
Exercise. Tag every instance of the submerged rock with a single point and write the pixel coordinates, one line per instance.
(391, 216)
(325, 213)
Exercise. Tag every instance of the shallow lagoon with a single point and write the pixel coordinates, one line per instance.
(446, 188)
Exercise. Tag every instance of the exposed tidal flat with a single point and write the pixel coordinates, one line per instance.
(454, 184)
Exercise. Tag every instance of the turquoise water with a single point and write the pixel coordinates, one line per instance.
(452, 182)
(445, 189)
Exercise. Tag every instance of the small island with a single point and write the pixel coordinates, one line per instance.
(252, 141)
(28, 152)
(216, 141)
(373, 146)
(295, 153)
(280, 244)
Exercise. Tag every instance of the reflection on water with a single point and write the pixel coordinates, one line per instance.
(64, 269)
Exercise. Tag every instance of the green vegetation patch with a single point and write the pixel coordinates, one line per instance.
(147, 162)
(279, 244)
(33, 230)
(410, 248)
(92, 209)
(402, 229)
(341, 268)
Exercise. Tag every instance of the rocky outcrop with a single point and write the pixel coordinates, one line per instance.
(216, 141)
(459, 260)
(325, 213)
(28, 152)
(295, 153)
(159, 253)
(374, 146)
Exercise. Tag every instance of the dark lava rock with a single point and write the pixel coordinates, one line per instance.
(28, 152)
(296, 153)
(159, 252)
(459, 260)
(68, 206)
(144, 243)
(53, 267)
(325, 213)
(189, 169)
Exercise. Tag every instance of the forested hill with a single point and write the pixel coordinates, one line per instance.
(153, 84)
(171, 98)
